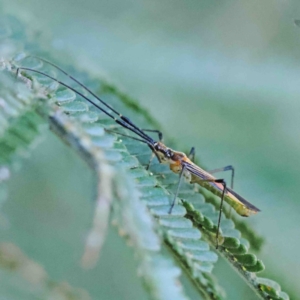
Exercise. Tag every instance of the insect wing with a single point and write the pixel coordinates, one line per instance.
(203, 175)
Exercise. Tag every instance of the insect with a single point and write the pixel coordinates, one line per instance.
(178, 162)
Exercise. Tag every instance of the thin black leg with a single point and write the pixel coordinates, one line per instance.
(221, 209)
(191, 156)
(150, 160)
(160, 135)
(192, 153)
(227, 168)
(177, 190)
(223, 182)
(160, 138)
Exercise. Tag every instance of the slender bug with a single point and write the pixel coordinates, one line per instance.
(178, 162)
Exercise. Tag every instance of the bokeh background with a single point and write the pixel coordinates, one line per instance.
(223, 76)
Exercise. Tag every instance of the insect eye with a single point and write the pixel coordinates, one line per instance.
(157, 148)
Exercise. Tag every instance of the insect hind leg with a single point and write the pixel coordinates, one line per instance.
(224, 169)
(223, 182)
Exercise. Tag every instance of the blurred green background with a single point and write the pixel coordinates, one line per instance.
(223, 76)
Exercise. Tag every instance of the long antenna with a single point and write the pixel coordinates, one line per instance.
(122, 122)
(125, 119)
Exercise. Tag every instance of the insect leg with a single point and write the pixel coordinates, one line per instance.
(177, 190)
(227, 168)
(192, 153)
(159, 133)
(191, 156)
(153, 154)
(222, 181)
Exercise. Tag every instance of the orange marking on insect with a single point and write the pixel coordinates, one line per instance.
(176, 166)
(186, 159)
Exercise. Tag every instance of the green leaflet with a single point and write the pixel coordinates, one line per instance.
(177, 231)
(83, 129)
(19, 124)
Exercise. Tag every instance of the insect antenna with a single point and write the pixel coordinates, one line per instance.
(126, 135)
(121, 122)
(125, 119)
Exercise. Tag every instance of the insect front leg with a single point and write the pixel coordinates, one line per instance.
(153, 154)
(178, 186)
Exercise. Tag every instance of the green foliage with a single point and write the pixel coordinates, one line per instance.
(27, 278)
(176, 229)
(19, 124)
(139, 200)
